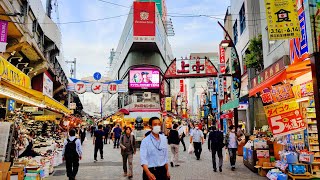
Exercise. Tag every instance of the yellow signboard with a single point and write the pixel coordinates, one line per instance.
(282, 19)
(168, 103)
(281, 107)
(45, 118)
(13, 74)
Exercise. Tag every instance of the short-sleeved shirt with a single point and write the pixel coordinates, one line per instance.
(117, 132)
(98, 134)
(196, 135)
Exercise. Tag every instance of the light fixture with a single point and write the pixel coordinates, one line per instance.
(225, 43)
(25, 64)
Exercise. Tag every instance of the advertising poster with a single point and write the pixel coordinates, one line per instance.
(282, 19)
(168, 103)
(144, 79)
(144, 19)
(47, 86)
(3, 35)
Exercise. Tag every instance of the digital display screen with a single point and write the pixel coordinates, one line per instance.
(144, 79)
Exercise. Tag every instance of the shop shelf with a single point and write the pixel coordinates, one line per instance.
(316, 163)
(312, 123)
(314, 144)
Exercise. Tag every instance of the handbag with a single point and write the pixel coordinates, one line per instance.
(190, 149)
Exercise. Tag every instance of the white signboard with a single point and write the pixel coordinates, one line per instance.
(220, 89)
(4, 135)
(96, 88)
(80, 87)
(47, 86)
(113, 88)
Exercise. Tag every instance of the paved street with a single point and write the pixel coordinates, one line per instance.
(190, 169)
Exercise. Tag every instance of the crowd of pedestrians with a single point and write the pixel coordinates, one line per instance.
(154, 147)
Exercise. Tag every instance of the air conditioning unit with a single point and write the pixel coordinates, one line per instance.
(147, 95)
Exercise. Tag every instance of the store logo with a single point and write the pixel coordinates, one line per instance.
(144, 16)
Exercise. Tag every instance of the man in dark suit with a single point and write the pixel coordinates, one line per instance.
(215, 145)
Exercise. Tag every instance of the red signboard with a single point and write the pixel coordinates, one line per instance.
(144, 20)
(222, 68)
(222, 55)
(181, 85)
(286, 123)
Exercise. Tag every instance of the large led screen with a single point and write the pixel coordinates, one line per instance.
(144, 79)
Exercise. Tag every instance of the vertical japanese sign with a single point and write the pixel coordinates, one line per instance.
(168, 103)
(222, 55)
(284, 118)
(282, 19)
(299, 46)
(47, 85)
(144, 21)
(3, 35)
(181, 85)
(220, 89)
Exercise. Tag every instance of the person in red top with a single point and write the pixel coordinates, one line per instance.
(200, 126)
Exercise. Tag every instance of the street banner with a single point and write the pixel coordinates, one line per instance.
(282, 19)
(3, 35)
(144, 20)
(299, 50)
(181, 85)
(286, 123)
(281, 107)
(168, 103)
(220, 89)
(222, 55)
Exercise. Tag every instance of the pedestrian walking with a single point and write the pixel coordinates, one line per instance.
(98, 142)
(93, 129)
(196, 137)
(72, 153)
(182, 134)
(232, 145)
(82, 134)
(205, 131)
(106, 133)
(154, 153)
(173, 141)
(215, 145)
(117, 134)
(128, 149)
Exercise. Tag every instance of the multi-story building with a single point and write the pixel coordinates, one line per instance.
(141, 58)
(34, 50)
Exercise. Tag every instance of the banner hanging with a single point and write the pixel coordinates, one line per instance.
(282, 19)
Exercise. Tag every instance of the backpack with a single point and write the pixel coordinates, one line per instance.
(71, 150)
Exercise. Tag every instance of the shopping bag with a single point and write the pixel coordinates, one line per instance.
(190, 149)
(226, 155)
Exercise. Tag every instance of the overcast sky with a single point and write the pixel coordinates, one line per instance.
(91, 42)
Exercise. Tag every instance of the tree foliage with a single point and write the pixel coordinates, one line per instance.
(254, 59)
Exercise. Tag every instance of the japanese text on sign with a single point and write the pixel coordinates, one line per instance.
(286, 123)
(282, 92)
(282, 18)
(280, 108)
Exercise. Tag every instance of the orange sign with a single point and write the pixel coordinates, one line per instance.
(282, 92)
(281, 107)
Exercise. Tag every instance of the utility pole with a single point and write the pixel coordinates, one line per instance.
(73, 75)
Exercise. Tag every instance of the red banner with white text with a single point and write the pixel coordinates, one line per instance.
(144, 20)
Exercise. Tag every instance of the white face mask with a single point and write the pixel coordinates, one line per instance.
(156, 129)
(197, 127)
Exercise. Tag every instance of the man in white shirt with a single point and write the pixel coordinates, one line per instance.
(182, 134)
(197, 138)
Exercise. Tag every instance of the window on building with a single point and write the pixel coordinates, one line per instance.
(242, 17)
(235, 32)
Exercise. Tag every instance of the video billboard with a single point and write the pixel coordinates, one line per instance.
(144, 79)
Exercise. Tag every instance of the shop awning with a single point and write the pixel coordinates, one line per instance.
(124, 111)
(143, 114)
(281, 76)
(299, 69)
(55, 105)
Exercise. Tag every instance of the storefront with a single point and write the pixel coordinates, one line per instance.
(289, 139)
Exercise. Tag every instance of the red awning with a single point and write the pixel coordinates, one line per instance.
(124, 111)
(274, 80)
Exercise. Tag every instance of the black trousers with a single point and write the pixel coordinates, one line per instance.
(72, 166)
(159, 172)
(105, 140)
(197, 149)
(214, 152)
(233, 156)
(184, 144)
(116, 142)
(97, 147)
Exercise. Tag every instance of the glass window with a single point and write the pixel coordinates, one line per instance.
(235, 32)
(242, 16)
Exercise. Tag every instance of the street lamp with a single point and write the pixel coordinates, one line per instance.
(225, 43)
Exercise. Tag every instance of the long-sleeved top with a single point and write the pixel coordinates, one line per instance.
(78, 145)
(173, 137)
(153, 152)
(215, 140)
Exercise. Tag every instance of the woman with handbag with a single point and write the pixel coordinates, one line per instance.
(128, 148)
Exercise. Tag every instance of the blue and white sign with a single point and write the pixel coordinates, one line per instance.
(11, 105)
(97, 76)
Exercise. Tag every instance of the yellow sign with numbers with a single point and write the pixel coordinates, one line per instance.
(282, 19)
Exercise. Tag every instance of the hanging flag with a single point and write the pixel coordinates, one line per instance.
(282, 19)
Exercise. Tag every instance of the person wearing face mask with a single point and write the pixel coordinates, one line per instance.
(232, 145)
(196, 137)
(154, 153)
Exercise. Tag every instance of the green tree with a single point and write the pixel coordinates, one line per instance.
(254, 59)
